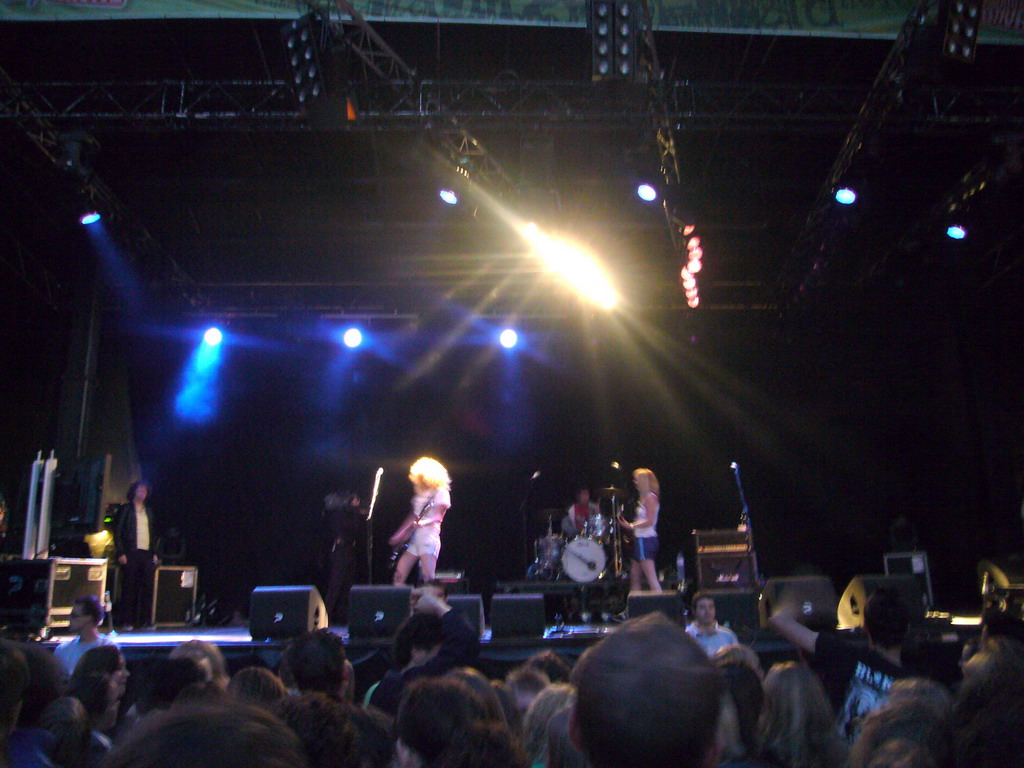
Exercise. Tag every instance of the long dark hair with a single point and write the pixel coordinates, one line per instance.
(135, 486)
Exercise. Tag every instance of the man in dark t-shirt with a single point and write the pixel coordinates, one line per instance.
(857, 678)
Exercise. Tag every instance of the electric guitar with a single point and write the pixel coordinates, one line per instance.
(397, 551)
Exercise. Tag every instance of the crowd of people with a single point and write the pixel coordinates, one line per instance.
(647, 695)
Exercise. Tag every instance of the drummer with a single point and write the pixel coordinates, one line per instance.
(583, 509)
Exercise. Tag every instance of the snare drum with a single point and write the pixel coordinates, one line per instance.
(583, 559)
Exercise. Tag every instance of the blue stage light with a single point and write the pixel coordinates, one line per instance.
(89, 218)
(449, 196)
(956, 232)
(647, 193)
(213, 336)
(353, 338)
(846, 196)
(508, 338)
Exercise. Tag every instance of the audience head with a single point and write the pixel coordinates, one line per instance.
(482, 687)
(107, 660)
(161, 680)
(323, 726)
(797, 727)
(554, 698)
(374, 747)
(44, 686)
(562, 753)
(740, 654)
(209, 737)
(988, 714)
(68, 723)
(741, 708)
(551, 664)
(525, 683)
(483, 745)
(86, 614)
(912, 731)
(207, 657)
(14, 673)
(702, 605)
(648, 671)
(98, 694)
(886, 618)
(924, 691)
(434, 712)
(417, 638)
(257, 686)
(314, 662)
(513, 717)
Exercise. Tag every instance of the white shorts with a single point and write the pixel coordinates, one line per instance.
(425, 542)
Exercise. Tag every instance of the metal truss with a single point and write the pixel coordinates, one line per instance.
(270, 105)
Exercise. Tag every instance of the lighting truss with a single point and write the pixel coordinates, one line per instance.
(688, 105)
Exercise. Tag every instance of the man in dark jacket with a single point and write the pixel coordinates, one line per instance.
(135, 543)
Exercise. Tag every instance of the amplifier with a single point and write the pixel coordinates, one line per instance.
(174, 595)
(728, 540)
(727, 571)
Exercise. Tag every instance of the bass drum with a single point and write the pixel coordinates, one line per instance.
(583, 560)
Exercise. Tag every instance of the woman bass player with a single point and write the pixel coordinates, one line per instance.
(644, 531)
(420, 534)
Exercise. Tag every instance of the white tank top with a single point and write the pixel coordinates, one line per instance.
(649, 531)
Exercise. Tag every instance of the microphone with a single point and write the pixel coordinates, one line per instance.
(380, 471)
(535, 475)
(734, 466)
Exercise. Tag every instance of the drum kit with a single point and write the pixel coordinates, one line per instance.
(595, 553)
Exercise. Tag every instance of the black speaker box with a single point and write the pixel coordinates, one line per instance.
(861, 588)
(669, 603)
(174, 595)
(376, 611)
(283, 612)
(470, 606)
(813, 597)
(726, 571)
(517, 615)
(735, 608)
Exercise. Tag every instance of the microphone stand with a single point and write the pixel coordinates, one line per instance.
(522, 522)
(369, 526)
(745, 524)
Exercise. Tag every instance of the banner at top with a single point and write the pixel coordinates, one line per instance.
(830, 18)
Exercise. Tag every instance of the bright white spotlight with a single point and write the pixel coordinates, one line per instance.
(577, 267)
(508, 338)
(956, 232)
(647, 193)
(846, 196)
(89, 218)
(213, 337)
(449, 196)
(353, 337)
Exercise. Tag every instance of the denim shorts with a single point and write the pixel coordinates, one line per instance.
(644, 548)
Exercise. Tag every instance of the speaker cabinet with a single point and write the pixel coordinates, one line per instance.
(861, 588)
(720, 571)
(669, 603)
(517, 615)
(813, 597)
(470, 606)
(735, 608)
(376, 611)
(174, 595)
(282, 612)
(911, 564)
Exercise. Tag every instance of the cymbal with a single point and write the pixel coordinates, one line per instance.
(611, 493)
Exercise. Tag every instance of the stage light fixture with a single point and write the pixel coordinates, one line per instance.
(91, 217)
(613, 40)
(305, 40)
(694, 266)
(693, 303)
(449, 196)
(213, 337)
(962, 19)
(577, 267)
(956, 232)
(352, 338)
(688, 229)
(508, 338)
(846, 196)
(647, 193)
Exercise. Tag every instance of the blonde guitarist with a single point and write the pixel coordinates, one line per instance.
(420, 533)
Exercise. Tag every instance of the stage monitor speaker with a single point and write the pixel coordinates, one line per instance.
(861, 588)
(470, 606)
(669, 603)
(174, 595)
(735, 608)
(376, 611)
(520, 615)
(281, 612)
(813, 597)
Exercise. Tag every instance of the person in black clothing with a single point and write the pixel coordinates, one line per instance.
(135, 544)
(457, 645)
(342, 518)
